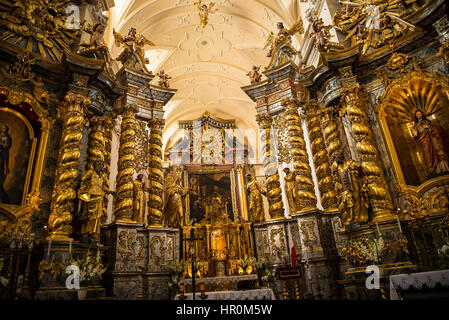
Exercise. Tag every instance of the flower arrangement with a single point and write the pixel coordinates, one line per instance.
(444, 250)
(176, 270)
(91, 268)
(365, 250)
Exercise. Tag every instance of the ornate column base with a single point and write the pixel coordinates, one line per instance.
(139, 257)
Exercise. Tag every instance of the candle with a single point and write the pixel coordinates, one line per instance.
(70, 248)
(181, 288)
(399, 225)
(378, 230)
(49, 246)
(202, 286)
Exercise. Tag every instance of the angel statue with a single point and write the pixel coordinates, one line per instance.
(281, 44)
(133, 42)
(204, 11)
(321, 34)
(96, 45)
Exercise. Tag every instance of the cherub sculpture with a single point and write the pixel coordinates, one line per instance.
(205, 11)
(254, 74)
(163, 79)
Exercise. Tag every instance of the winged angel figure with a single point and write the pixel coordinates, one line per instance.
(280, 45)
(204, 11)
(134, 43)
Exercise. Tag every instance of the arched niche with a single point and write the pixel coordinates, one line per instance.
(402, 98)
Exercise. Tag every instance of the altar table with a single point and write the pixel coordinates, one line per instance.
(256, 294)
(417, 280)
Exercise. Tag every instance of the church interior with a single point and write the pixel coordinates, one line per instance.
(224, 149)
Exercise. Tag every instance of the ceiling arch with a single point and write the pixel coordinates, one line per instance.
(208, 66)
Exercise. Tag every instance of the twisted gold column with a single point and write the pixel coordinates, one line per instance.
(320, 157)
(155, 174)
(304, 182)
(274, 191)
(125, 175)
(333, 144)
(107, 133)
(64, 193)
(96, 141)
(379, 195)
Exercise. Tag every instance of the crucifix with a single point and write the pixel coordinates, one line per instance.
(192, 240)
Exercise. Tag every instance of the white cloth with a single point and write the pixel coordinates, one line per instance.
(417, 280)
(233, 279)
(256, 294)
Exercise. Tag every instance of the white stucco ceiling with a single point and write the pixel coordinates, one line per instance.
(208, 66)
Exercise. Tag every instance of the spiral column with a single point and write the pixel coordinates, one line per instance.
(96, 141)
(320, 157)
(64, 193)
(124, 191)
(304, 182)
(155, 174)
(333, 144)
(379, 195)
(274, 191)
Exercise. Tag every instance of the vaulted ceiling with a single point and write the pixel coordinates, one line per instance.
(208, 66)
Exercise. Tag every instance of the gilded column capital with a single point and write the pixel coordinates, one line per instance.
(264, 120)
(156, 123)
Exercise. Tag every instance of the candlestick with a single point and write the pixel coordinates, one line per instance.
(70, 248)
(378, 230)
(48, 251)
(399, 225)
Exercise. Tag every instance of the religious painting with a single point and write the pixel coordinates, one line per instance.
(202, 186)
(17, 146)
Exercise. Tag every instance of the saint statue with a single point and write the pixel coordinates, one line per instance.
(163, 79)
(173, 211)
(5, 145)
(255, 199)
(354, 193)
(428, 136)
(92, 191)
(139, 200)
(291, 190)
(204, 11)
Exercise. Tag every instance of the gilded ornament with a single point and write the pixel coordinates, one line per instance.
(204, 11)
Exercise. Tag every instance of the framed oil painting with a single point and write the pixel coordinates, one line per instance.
(17, 149)
(202, 186)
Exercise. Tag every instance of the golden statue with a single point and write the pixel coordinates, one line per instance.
(204, 11)
(96, 44)
(255, 199)
(92, 191)
(173, 211)
(281, 44)
(139, 200)
(291, 190)
(216, 210)
(254, 74)
(353, 191)
(133, 43)
(428, 136)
